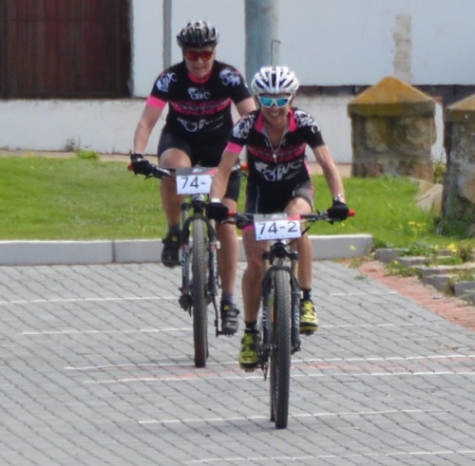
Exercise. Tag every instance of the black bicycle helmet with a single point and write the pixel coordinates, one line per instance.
(198, 34)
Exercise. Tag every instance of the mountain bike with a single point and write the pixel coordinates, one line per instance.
(198, 251)
(280, 310)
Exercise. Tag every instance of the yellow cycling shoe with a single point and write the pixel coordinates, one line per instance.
(308, 318)
(249, 355)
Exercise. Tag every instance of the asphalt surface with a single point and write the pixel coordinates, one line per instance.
(97, 369)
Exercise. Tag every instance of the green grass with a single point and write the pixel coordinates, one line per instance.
(83, 198)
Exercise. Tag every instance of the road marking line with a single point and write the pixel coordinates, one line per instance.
(295, 416)
(272, 459)
(89, 332)
(95, 331)
(295, 362)
(204, 377)
(96, 299)
(156, 298)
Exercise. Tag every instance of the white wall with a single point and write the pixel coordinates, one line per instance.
(147, 44)
(330, 42)
(344, 42)
(327, 42)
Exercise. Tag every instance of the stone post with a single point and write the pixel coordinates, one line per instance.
(459, 140)
(393, 130)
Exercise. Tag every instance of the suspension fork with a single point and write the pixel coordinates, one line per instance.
(295, 287)
(266, 311)
(185, 297)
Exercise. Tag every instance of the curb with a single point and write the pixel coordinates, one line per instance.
(325, 247)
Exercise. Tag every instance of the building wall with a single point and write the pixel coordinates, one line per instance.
(327, 43)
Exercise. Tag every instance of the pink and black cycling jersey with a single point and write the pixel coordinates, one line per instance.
(199, 110)
(282, 165)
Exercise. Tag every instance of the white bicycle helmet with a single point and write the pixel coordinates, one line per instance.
(274, 80)
(198, 34)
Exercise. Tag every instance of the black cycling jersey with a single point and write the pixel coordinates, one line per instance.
(199, 110)
(285, 164)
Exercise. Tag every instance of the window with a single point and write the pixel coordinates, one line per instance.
(64, 48)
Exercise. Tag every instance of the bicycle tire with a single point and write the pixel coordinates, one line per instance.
(199, 282)
(280, 355)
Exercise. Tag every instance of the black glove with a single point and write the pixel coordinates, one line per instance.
(217, 211)
(140, 165)
(339, 210)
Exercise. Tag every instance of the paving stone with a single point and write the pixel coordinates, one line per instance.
(97, 368)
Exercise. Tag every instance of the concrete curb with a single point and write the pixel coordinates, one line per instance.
(325, 247)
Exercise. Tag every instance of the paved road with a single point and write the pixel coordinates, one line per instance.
(96, 369)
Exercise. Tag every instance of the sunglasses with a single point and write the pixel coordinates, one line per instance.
(280, 102)
(193, 55)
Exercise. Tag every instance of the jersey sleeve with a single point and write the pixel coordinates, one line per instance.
(310, 128)
(240, 133)
(161, 87)
(235, 82)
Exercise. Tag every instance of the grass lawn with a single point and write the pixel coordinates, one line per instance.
(85, 199)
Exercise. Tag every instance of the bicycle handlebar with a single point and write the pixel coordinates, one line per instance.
(242, 219)
(149, 169)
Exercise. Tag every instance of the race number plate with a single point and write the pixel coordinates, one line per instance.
(195, 180)
(276, 226)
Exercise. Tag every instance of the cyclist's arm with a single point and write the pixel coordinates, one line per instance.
(330, 171)
(147, 122)
(220, 180)
(245, 106)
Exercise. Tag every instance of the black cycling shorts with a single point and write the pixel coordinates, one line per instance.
(205, 154)
(262, 199)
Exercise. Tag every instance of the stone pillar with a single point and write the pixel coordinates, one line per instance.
(459, 141)
(393, 130)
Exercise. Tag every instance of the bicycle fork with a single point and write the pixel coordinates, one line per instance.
(267, 314)
(212, 287)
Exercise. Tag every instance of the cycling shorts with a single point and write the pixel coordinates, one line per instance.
(269, 200)
(205, 154)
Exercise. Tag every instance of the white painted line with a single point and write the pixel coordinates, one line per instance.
(157, 298)
(273, 459)
(189, 377)
(93, 299)
(295, 362)
(95, 332)
(295, 416)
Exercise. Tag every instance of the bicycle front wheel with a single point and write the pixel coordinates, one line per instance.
(199, 282)
(280, 354)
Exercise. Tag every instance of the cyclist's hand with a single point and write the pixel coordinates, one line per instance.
(140, 165)
(339, 210)
(216, 210)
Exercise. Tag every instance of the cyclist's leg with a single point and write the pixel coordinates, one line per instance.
(228, 257)
(209, 154)
(302, 203)
(253, 275)
(172, 153)
(251, 293)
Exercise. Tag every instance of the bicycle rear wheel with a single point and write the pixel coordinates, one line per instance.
(199, 280)
(280, 354)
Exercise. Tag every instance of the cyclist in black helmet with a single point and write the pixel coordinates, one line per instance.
(199, 92)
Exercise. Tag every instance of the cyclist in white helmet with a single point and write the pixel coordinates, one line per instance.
(276, 136)
(199, 92)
